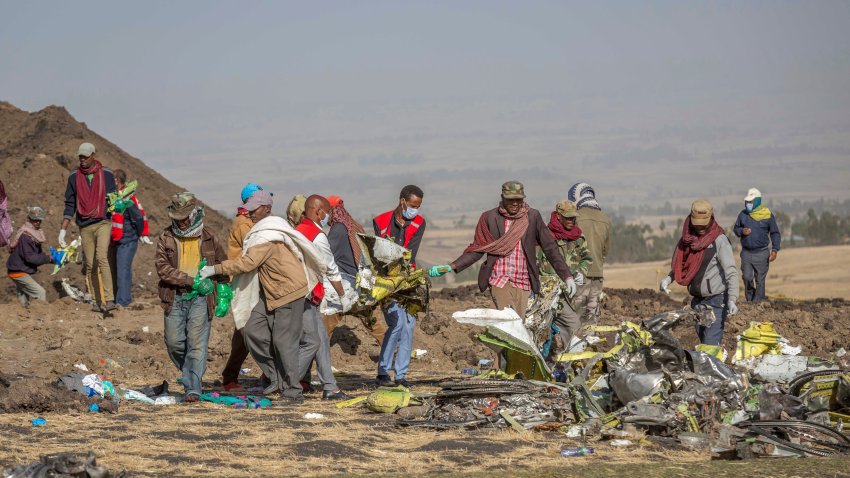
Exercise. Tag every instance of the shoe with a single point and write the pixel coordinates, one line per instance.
(191, 398)
(109, 306)
(270, 389)
(402, 382)
(306, 386)
(338, 395)
(292, 400)
(233, 387)
(384, 381)
(96, 307)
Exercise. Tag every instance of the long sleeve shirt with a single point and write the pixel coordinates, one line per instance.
(321, 241)
(762, 233)
(341, 247)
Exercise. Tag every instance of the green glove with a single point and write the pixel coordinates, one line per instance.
(224, 294)
(439, 271)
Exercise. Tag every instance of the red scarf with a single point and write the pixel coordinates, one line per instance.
(501, 247)
(687, 258)
(340, 215)
(560, 232)
(91, 199)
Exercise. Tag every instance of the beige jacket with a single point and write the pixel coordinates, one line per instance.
(596, 228)
(281, 274)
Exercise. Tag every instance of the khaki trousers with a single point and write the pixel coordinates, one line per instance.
(510, 296)
(96, 238)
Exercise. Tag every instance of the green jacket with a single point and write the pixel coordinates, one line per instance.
(575, 253)
(596, 227)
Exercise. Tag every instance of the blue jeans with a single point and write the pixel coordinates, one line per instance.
(124, 254)
(187, 333)
(399, 334)
(712, 335)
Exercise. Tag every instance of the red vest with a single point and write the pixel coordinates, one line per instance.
(118, 222)
(384, 221)
(310, 230)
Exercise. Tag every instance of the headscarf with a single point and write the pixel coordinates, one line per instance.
(484, 241)
(340, 215)
(5, 220)
(36, 234)
(91, 199)
(196, 219)
(560, 232)
(295, 209)
(583, 195)
(687, 258)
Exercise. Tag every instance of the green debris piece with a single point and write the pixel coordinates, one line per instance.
(223, 295)
(511, 421)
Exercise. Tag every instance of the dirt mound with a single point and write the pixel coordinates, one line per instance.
(38, 151)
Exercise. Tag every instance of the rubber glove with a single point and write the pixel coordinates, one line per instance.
(732, 307)
(206, 272)
(571, 287)
(579, 277)
(665, 284)
(62, 233)
(439, 271)
(146, 240)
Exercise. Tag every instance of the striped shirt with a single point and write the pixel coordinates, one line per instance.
(513, 267)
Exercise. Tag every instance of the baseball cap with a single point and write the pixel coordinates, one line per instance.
(513, 190)
(86, 150)
(248, 190)
(701, 212)
(567, 209)
(752, 194)
(259, 198)
(35, 213)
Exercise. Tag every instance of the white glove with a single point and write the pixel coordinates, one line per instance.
(571, 287)
(579, 277)
(146, 240)
(732, 307)
(62, 242)
(665, 284)
(207, 271)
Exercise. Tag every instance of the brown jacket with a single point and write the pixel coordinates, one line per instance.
(596, 228)
(171, 279)
(536, 234)
(238, 230)
(281, 273)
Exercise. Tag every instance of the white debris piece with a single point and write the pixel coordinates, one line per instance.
(313, 416)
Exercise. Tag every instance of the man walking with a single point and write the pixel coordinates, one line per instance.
(510, 234)
(26, 256)
(760, 238)
(596, 227)
(179, 251)
(129, 226)
(85, 200)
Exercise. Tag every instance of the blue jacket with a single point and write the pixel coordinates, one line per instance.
(133, 225)
(762, 234)
(71, 197)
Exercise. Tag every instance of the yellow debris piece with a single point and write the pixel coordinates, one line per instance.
(759, 339)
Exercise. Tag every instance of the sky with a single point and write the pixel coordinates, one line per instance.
(306, 95)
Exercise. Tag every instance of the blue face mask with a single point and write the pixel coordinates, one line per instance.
(410, 213)
(749, 206)
(325, 220)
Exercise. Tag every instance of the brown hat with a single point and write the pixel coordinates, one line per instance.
(513, 190)
(567, 208)
(182, 205)
(701, 212)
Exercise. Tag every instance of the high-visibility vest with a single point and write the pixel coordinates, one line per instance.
(118, 222)
(384, 221)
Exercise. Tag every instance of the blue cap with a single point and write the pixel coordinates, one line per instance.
(248, 190)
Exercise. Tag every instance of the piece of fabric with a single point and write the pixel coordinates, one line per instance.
(754, 267)
(713, 334)
(91, 193)
(512, 268)
(187, 334)
(238, 354)
(484, 242)
(559, 231)
(196, 219)
(96, 238)
(511, 296)
(315, 344)
(687, 257)
(397, 343)
(124, 254)
(583, 195)
(172, 281)
(340, 215)
(238, 230)
(760, 213)
(37, 235)
(272, 338)
(28, 289)
(763, 234)
(190, 255)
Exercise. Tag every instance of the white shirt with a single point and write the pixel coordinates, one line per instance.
(321, 242)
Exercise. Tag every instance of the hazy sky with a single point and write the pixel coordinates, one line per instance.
(275, 90)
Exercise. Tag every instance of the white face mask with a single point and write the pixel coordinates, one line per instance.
(325, 220)
(410, 213)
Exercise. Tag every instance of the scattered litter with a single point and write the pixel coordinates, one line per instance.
(419, 353)
(840, 352)
(37, 422)
(242, 401)
(580, 451)
(619, 443)
(94, 407)
(244, 371)
(146, 329)
(108, 362)
(313, 416)
(469, 371)
(82, 367)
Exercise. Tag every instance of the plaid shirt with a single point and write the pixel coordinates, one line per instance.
(513, 267)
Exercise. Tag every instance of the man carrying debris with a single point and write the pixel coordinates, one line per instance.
(703, 263)
(573, 248)
(270, 280)
(179, 252)
(596, 227)
(129, 226)
(85, 200)
(26, 255)
(510, 234)
(404, 226)
(759, 233)
(315, 343)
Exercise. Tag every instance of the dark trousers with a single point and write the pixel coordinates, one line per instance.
(272, 337)
(238, 354)
(124, 254)
(754, 265)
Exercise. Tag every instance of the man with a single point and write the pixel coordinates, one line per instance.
(759, 233)
(343, 240)
(315, 343)
(129, 226)
(596, 227)
(573, 248)
(404, 226)
(271, 278)
(85, 200)
(179, 251)
(510, 234)
(238, 230)
(26, 255)
(703, 263)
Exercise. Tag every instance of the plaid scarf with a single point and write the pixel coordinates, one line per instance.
(484, 241)
(340, 215)
(196, 217)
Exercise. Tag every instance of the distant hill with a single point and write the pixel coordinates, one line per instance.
(38, 152)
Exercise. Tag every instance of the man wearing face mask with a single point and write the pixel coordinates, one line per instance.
(404, 226)
(703, 263)
(510, 234)
(759, 233)
(315, 342)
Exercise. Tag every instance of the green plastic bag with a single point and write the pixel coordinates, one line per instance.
(201, 287)
(223, 294)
